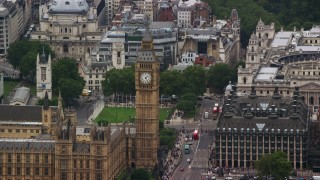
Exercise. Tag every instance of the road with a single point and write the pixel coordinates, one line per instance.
(200, 149)
(84, 110)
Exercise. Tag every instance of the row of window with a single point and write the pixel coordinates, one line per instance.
(95, 82)
(24, 158)
(25, 171)
(20, 130)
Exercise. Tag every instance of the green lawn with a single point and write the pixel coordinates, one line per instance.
(120, 114)
(9, 86)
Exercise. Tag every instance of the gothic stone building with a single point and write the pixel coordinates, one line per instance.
(251, 126)
(45, 143)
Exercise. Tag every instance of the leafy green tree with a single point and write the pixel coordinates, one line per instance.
(140, 174)
(275, 165)
(65, 77)
(172, 83)
(28, 66)
(190, 97)
(19, 49)
(196, 78)
(219, 76)
(70, 88)
(52, 102)
(188, 107)
(119, 82)
(167, 137)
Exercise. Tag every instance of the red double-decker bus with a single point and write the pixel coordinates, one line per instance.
(215, 111)
(195, 135)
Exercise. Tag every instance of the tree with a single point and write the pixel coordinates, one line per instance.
(140, 174)
(196, 78)
(119, 82)
(70, 89)
(28, 65)
(219, 76)
(24, 53)
(275, 165)
(65, 77)
(190, 97)
(172, 83)
(186, 106)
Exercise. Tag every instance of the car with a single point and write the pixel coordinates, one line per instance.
(182, 169)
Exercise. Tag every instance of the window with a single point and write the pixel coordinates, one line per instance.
(9, 130)
(17, 130)
(37, 158)
(9, 158)
(27, 170)
(37, 171)
(63, 163)
(65, 48)
(46, 158)
(27, 158)
(311, 100)
(252, 58)
(46, 171)
(97, 75)
(98, 164)
(24, 130)
(74, 163)
(18, 170)
(87, 164)
(9, 170)
(18, 158)
(43, 73)
(96, 81)
(81, 163)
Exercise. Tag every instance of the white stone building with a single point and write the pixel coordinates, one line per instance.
(285, 59)
(44, 76)
(70, 27)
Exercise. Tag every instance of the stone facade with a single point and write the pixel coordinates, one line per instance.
(285, 59)
(147, 78)
(71, 28)
(44, 76)
(251, 126)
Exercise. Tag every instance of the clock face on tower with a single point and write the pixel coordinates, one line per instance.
(145, 78)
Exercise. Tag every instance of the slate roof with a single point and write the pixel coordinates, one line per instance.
(27, 144)
(264, 113)
(21, 113)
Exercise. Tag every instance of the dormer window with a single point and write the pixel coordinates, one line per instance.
(67, 3)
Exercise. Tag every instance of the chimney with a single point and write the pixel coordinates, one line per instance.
(228, 113)
(276, 94)
(248, 114)
(253, 94)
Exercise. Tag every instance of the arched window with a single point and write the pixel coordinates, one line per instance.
(65, 30)
(259, 35)
(244, 80)
(311, 100)
(267, 35)
(252, 49)
(259, 44)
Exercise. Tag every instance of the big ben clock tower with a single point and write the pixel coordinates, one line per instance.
(147, 104)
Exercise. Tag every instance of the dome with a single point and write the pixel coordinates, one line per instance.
(69, 7)
(260, 23)
(253, 36)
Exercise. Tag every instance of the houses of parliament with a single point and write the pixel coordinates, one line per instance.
(45, 143)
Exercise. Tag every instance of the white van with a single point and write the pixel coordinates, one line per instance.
(206, 115)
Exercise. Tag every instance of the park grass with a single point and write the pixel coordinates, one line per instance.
(121, 114)
(8, 87)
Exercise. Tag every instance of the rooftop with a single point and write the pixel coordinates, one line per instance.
(69, 6)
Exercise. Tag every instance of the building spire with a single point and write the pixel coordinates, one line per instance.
(147, 40)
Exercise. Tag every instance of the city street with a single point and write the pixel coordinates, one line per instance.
(200, 149)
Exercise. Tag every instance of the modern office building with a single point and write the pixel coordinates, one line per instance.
(14, 18)
(251, 126)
